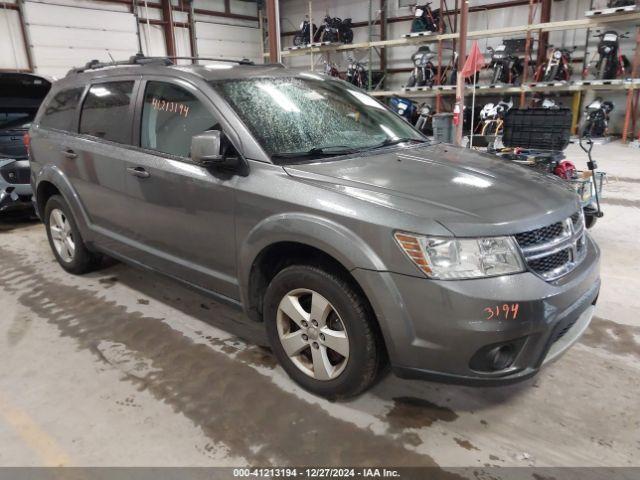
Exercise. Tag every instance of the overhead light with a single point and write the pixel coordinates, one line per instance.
(472, 181)
(100, 91)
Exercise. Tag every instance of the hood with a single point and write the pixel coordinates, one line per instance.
(469, 193)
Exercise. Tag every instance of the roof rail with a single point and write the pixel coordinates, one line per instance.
(140, 59)
(137, 59)
(243, 61)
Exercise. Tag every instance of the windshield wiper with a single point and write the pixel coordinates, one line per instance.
(395, 141)
(332, 150)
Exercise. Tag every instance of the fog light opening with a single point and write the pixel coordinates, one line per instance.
(501, 357)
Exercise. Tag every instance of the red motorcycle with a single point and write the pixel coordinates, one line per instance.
(557, 67)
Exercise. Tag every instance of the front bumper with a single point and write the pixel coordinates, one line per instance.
(15, 189)
(442, 330)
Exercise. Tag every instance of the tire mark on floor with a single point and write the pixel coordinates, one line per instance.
(228, 399)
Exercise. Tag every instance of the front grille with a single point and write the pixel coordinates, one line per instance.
(554, 250)
(540, 235)
(18, 175)
(550, 262)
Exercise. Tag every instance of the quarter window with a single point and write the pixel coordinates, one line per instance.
(170, 117)
(105, 112)
(61, 109)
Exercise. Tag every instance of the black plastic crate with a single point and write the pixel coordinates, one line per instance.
(537, 128)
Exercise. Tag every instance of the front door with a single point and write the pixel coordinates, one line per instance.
(180, 215)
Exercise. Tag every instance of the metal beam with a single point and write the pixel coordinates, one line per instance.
(167, 24)
(25, 35)
(273, 24)
(543, 37)
(462, 55)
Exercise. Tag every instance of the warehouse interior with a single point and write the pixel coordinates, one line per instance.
(137, 367)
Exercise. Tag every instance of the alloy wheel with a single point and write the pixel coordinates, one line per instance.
(62, 235)
(312, 334)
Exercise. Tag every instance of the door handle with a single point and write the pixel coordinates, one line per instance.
(70, 154)
(138, 172)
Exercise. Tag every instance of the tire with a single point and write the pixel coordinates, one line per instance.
(590, 221)
(342, 376)
(76, 260)
(602, 69)
(552, 75)
(497, 74)
(412, 80)
(298, 40)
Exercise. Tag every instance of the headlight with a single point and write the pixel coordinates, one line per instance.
(461, 258)
(557, 54)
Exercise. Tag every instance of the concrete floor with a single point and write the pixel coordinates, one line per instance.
(124, 367)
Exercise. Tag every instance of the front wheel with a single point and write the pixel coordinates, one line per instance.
(322, 331)
(497, 75)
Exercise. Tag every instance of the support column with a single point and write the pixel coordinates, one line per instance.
(193, 40)
(527, 56)
(25, 35)
(462, 55)
(543, 37)
(635, 72)
(167, 25)
(273, 21)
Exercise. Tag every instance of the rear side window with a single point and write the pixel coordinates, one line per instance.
(105, 112)
(170, 117)
(60, 112)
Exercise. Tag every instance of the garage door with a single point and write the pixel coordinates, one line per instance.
(63, 37)
(228, 41)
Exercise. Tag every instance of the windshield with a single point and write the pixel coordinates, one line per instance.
(311, 116)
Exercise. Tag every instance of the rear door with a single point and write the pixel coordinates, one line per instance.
(93, 160)
(180, 215)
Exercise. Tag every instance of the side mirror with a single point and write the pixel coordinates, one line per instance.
(207, 151)
(206, 147)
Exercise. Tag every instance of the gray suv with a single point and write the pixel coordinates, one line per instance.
(323, 215)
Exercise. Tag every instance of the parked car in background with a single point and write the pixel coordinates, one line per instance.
(324, 215)
(20, 96)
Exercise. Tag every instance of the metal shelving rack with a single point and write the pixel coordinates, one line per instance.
(628, 16)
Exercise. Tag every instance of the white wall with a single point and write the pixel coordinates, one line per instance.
(292, 12)
(68, 33)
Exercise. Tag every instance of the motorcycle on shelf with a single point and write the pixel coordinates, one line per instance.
(424, 72)
(425, 19)
(557, 67)
(403, 107)
(424, 121)
(357, 73)
(492, 117)
(538, 101)
(303, 36)
(507, 66)
(331, 69)
(611, 63)
(597, 118)
(335, 29)
(450, 74)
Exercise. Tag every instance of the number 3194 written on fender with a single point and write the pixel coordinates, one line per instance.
(506, 311)
(173, 107)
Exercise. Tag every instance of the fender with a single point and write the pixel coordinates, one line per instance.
(312, 230)
(52, 174)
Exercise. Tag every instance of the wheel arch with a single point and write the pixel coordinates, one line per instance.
(51, 181)
(283, 240)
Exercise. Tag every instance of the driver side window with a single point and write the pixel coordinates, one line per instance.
(170, 117)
